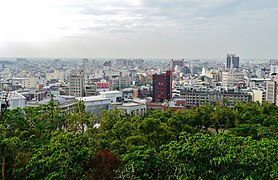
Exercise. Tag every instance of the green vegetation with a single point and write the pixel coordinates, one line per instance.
(206, 142)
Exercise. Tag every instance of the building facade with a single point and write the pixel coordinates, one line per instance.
(131, 108)
(77, 84)
(232, 61)
(232, 78)
(96, 104)
(197, 97)
(162, 86)
(272, 91)
(174, 63)
(259, 95)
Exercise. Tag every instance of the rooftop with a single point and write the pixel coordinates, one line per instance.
(109, 92)
(93, 98)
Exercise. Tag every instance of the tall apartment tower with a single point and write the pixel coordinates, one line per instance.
(162, 86)
(272, 91)
(77, 84)
(232, 61)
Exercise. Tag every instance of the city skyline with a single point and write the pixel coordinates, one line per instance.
(138, 28)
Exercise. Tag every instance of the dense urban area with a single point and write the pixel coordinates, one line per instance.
(139, 118)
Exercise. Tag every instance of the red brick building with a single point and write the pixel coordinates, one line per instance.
(162, 86)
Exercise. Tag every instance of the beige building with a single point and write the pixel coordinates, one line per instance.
(30, 83)
(55, 75)
(230, 78)
(272, 91)
(259, 95)
(77, 84)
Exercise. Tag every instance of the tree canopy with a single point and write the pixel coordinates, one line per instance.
(205, 142)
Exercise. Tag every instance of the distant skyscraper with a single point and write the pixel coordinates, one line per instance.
(77, 84)
(232, 61)
(85, 62)
(162, 86)
(175, 63)
(273, 66)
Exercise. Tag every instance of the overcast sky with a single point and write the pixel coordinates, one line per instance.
(139, 28)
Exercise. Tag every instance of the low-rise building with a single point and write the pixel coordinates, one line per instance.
(16, 100)
(114, 96)
(65, 103)
(96, 104)
(131, 108)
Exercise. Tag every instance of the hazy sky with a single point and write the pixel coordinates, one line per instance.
(139, 28)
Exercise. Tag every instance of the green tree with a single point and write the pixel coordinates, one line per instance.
(8, 148)
(63, 158)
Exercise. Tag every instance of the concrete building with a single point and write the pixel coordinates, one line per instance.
(77, 84)
(90, 89)
(174, 63)
(102, 86)
(114, 96)
(30, 83)
(273, 69)
(202, 95)
(257, 82)
(131, 108)
(162, 86)
(259, 95)
(273, 66)
(55, 75)
(34, 94)
(174, 104)
(121, 82)
(232, 78)
(96, 104)
(232, 61)
(16, 100)
(272, 91)
(65, 103)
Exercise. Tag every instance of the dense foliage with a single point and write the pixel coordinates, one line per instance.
(206, 142)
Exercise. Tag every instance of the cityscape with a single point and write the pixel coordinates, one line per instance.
(137, 85)
(138, 89)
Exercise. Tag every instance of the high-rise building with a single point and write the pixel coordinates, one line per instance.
(232, 61)
(162, 86)
(77, 84)
(272, 91)
(174, 63)
(273, 66)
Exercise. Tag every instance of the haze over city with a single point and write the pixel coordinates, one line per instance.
(138, 28)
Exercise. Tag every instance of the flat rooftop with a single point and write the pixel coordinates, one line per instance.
(93, 98)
